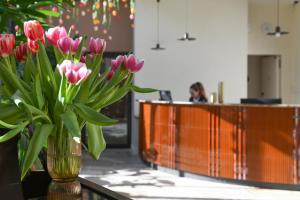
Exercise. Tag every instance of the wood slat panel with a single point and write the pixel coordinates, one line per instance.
(241, 142)
(192, 140)
(269, 138)
(228, 142)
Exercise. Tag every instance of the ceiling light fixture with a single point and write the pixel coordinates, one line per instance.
(278, 32)
(186, 35)
(158, 47)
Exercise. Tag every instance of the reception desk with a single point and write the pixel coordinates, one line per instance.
(251, 143)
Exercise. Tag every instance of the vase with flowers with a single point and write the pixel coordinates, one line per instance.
(57, 102)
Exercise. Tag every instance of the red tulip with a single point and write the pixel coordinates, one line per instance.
(7, 43)
(21, 52)
(74, 72)
(97, 46)
(110, 75)
(115, 64)
(56, 33)
(34, 30)
(132, 64)
(82, 59)
(33, 45)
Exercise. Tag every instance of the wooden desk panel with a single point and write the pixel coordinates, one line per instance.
(270, 144)
(240, 142)
(193, 139)
(159, 133)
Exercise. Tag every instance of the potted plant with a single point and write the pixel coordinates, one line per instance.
(58, 102)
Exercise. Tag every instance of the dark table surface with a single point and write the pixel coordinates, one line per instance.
(39, 186)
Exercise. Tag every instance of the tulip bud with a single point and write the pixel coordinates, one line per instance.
(110, 75)
(115, 64)
(34, 30)
(21, 52)
(132, 64)
(97, 46)
(75, 44)
(75, 73)
(7, 43)
(56, 33)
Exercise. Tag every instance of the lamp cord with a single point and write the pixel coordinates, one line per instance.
(278, 12)
(158, 20)
(186, 15)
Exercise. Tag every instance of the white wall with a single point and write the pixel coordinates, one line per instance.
(296, 54)
(264, 11)
(218, 54)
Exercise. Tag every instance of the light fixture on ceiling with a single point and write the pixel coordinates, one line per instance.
(158, 47)
(186, 35)
(278, 32)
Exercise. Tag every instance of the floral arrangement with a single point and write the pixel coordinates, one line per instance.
(57, 102)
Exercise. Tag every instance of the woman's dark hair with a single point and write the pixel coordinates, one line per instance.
(198, 86)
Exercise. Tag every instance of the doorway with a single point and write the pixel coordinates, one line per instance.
(264, 76)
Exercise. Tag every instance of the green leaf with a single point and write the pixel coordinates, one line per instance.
(72, 93)
(6, 125)
(96, 141)
(27, 71)
(71, 123)
(143, 90)
(122, 92)
(59, 56)
(50, 13)
(45, 67)
(62, 89)
(96, 66)
(39, 138)
(38, 92)
(79, 50)
(92, 116)
(8, 110)
(12, 133)
(13, 80)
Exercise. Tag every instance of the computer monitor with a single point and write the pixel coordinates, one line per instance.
(165, 95)
(261, 101)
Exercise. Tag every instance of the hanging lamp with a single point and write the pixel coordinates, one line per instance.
(186, 35)
(158, 47)
(278, 32)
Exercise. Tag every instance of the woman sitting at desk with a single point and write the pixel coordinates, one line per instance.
(197, 93)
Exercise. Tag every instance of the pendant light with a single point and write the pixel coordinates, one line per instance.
(186, 35)
(157, 47)
(278, 32)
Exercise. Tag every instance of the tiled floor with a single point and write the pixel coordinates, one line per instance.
(121, 171)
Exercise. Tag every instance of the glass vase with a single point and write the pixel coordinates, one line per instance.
(63, 158)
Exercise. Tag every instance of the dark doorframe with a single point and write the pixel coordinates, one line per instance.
(129, 108)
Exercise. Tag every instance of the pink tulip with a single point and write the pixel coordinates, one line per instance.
(74, 73)
(7, 43)
(75, 44)
(21, 52)
(34, 30)
(56, 33)
(82, 59)
(132, 64)
(64, 44)
(97, 46)
(115, 64)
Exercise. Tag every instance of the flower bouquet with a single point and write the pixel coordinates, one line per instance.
(49, 106)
